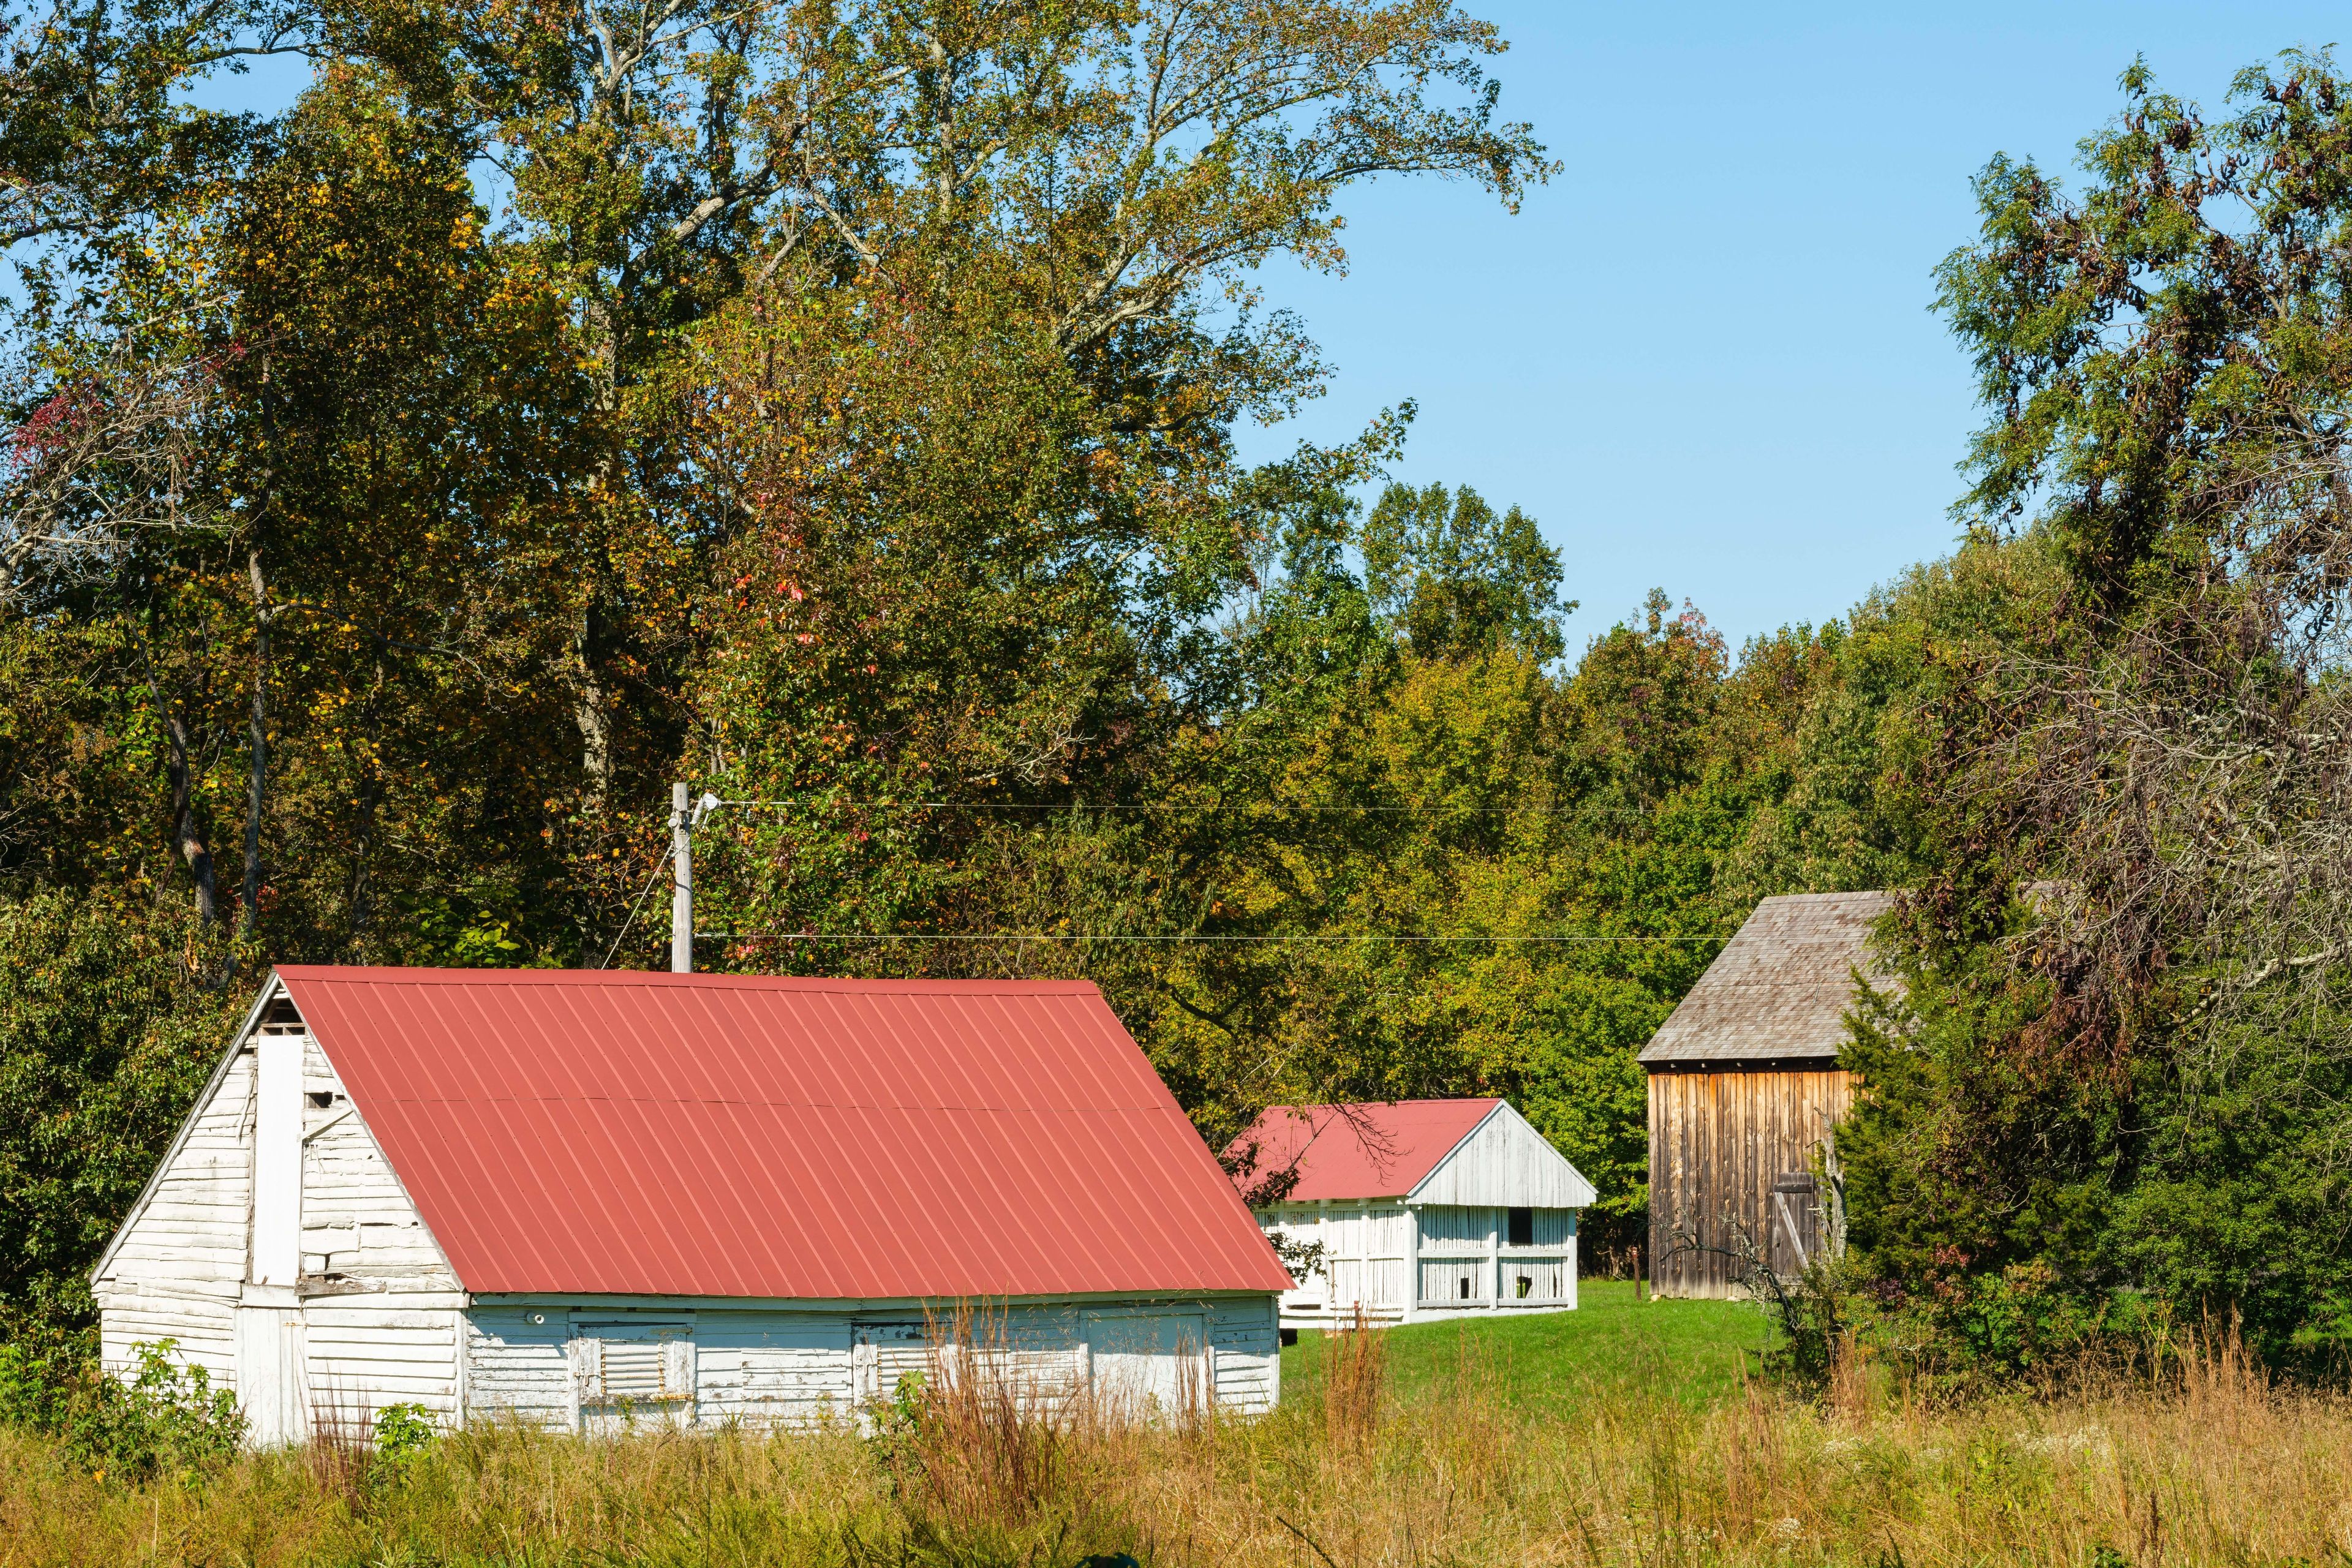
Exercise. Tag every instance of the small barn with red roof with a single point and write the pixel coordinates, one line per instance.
(1412, 1210)
(575, 1197)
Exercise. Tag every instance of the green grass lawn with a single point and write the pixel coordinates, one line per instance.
(1688, 1351)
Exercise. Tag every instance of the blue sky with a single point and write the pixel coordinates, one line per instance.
(1703, 357)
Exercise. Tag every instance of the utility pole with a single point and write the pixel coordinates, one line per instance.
(681, 860)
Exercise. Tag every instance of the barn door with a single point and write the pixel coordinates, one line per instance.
(272, 1387)
(1796, 1222)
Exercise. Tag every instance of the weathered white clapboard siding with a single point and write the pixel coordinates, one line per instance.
(515, 1365)
(768, 1367)
(365, 1353)
(1245, 1344)
(176, 1271)
(773, 1368)
(202, 1331)
(1443, 1247)
(379, 1307)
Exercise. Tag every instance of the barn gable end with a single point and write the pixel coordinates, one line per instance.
(1505, 1161)
(366, 1312)
(175, 1269)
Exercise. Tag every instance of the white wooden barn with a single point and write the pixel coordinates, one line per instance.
(1424, 1208)
(579, 1198)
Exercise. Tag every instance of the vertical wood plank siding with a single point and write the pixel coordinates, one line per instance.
(1406, 1263)
(1717, 1140)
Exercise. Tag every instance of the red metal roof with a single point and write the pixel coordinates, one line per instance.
(633, 1133)
(1375, 1150)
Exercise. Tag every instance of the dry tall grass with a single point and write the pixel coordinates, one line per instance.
(2216, 1466)
(1355, 1385)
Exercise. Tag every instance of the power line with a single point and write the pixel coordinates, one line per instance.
(606, 963)
(822, 803)
(813, 936)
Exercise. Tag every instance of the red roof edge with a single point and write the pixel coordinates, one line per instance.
(378, 974)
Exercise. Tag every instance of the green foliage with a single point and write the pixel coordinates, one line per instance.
(110, 1018)
(2109, 1096)
(401, 1430)
(2022, 1321)
(876, 480)
(1456, 579)
(852, 433)
(167, 1417)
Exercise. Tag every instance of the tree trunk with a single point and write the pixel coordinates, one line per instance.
(360, 898)
(592, 704)
(592, 710)
(256, 745)
(187, 839)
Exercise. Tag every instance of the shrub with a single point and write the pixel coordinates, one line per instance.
(1814, 1311)
(2024, 1324)
(167, 1415)
(403, 1431)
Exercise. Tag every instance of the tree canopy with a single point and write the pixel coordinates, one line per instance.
(833, 406)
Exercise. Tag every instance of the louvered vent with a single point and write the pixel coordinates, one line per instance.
(633, 1370)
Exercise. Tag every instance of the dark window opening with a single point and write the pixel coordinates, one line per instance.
(1465, 1288)
(322, 1098)
(1527, 1286)
(1523, 1228)
(1290, 1336)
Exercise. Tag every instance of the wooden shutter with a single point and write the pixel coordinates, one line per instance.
(677, 1368)
(633, 1370)
(588, 1370)
(1796, 1222)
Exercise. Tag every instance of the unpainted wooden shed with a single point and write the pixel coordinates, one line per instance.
(1423, 1208)
(1746, 1093)
(577, 1198)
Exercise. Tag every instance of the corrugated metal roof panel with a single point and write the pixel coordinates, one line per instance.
(1779, 989)
(1372, 1150)
(630, 1133)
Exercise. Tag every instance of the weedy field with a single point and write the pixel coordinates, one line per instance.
(1623, 1435)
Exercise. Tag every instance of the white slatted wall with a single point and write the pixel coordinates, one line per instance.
(780, 1367)
(181, 1265)
(1366, 1258)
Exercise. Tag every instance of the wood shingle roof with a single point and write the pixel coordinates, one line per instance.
(1779, 989)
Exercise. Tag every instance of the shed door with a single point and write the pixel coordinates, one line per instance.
(271, 1384)
(882, 1353)
(1796, 1222)
(1148, 1361)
